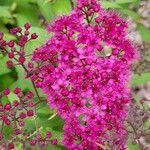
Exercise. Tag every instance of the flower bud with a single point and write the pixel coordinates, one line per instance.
(9, 64)
(6, 91)
(34, 36)
(54, 142)
(30, 113)
(27, 26)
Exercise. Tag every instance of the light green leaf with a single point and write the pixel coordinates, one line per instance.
(27, 13)
(5, 12)
(22, 82)
(26, 1)
(8, 36)
(42, 36)
(58, 7)
(131, 13)
(12, 97)
(106, 5)
(126, 1)
(132, 147)
(144, 31)
(3, 67)
(140, 79)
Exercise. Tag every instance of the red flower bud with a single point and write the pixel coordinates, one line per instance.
(27, 26)
(11, 146)
(32, 142)
(34, 36)
(11, 43)
(7, 107)
(30, 94)
(17, 90)
(22, 59)
(6, 91)
(11, 55)
(9, 64)
(48, 134)
(54, 142)
(22, 115)
(30, 113)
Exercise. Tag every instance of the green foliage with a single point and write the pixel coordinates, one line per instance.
(107, 4)
(7, 131)
(5, 12)
(133, 147)
(140, 79)
(4, 69)
(145, 32)
(126, 1)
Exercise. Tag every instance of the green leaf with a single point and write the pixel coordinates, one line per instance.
(147, 123)
(52, 9)
(131, 13)
(44, 112)
(30, 124)
(8, 36)
(144, 31)
(132, 147)
(57, 147)
(12, 97)
(42, 36)
(5, 12)
(106, 5)
(57, 121)
(140, 79)
(22, 82)
(7, 130)
(26, 13)
(6, 80)
(3, 67)
(126, 1)
(26, 1)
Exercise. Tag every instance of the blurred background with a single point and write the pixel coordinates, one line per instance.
(41, 12)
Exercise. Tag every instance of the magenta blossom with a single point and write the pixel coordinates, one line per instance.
(84, 69)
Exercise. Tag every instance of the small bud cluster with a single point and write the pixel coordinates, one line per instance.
(14, 115)
(15, 50)
(43, 141)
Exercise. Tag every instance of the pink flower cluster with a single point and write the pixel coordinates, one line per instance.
(84, 69)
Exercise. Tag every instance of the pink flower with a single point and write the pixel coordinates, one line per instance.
(84, 72)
